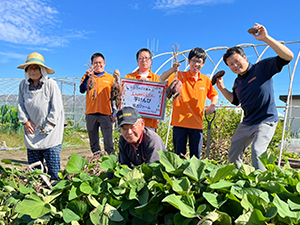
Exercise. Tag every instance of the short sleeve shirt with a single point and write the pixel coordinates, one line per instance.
(188, 107)
(254, 91)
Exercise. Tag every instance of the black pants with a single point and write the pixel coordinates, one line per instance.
(93, 122)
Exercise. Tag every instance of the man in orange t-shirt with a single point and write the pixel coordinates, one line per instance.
(187, 116)
(144, 60)
(97, 84)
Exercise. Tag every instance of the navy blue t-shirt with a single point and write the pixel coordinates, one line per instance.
(254, 91)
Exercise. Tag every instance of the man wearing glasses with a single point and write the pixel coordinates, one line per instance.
(187, 116)
(137, 144)
(144, 60)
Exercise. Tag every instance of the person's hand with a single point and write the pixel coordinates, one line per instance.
(113, 119)
(176, 66)
(47, 129)
(174, 89)
(210, 109)
(220, 83)
(116, 75)
(261, 34)
(143, 79)
(29, 127)
(89, 73)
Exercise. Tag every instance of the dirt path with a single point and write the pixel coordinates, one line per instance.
(20, 156)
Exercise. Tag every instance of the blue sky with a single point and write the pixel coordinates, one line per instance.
(67, 32)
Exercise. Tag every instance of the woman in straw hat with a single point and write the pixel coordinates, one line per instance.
(41, 112)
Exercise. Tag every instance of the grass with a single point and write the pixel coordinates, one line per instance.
(78, 140)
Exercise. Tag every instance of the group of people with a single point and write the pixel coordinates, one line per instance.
(139, 142)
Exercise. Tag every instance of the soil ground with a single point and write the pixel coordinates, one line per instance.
(20, 156)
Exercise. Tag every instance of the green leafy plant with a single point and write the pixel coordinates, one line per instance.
(174, 191)
(9, 119)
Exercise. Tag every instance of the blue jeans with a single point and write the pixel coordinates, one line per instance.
(51, 156)
(180, 135)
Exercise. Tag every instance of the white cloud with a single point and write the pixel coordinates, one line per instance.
(6, 57)
(30, 22)
(172, 4)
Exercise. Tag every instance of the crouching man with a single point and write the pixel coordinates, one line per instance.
(137, 144)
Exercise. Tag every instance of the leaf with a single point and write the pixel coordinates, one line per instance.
(180, 220)
(75, 163)
(214, 199)
(298, 187)
(25, 190)
(78, 207)
(143, 196)
(93, 201)
(248, 169)
(278, 188)
(133, 174)
(69, 215)
(195, 169)
(96, 215)
(267, 158)
(75, 191)
(251, 217)
(209, 218)
(283, 208)
(7, 161)
(224, 218)
(181, 185)
(251, 202)
(222, 184)
(34, 206)
(109, 164)
(176, 201)
(220, 173)
(85, 187)
(293, 205)
(170, 160)
(241, 191)
(112, 213)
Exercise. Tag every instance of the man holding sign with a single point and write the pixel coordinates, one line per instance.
(144, 60)
(187, 116)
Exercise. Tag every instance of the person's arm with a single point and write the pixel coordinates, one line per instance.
(282, 51)
(165, 75)
(227, 94)
(85, 81)
(22, 113)
(155, 144)
(56, 105)
(123, 159)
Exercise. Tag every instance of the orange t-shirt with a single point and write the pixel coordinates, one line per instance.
(188, 107)
(151, 77)
(102, 88)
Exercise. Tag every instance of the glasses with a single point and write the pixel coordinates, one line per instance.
(196, 61)
(144, 58)
(126, 129)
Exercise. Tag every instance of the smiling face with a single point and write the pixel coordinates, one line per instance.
(195, 64)
(98, 64)
(237, 63)
(34, 72)
(133, 132)
(144, 61)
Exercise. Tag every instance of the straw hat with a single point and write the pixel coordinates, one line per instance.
(36, 58)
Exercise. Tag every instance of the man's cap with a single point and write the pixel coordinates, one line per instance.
(127, 115)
